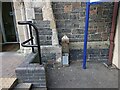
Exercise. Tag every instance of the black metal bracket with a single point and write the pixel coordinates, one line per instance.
(31, 38)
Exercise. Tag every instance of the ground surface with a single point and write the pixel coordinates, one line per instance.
(95, 76)
(9, 61)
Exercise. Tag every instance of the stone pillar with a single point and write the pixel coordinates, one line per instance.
(48, 15)
(65, 50)
(65, 44)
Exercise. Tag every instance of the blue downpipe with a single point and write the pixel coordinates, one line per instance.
(86, 34)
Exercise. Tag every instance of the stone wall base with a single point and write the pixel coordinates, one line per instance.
(28, 72)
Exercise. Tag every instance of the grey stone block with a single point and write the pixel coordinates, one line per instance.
(92, 55)
(31, 73)
(76, 10)
(78, 31)
(46, 32)
(59, 16)
(57, 11)
(38, 16)
(38, 10)
(42, 24)
(104, 52)
(45, 42)
(49, 37)
(48, 56)
(42, 37)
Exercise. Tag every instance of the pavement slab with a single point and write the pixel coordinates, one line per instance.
(95, 76)
(6, 83)
(9, 62)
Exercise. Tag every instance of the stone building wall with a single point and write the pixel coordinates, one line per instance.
(45, 33)
(23, 12)
(28, 72)
(42, 16)
(70, 20)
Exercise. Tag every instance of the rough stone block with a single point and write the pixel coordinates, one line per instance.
(39, 16)
(68, 8)
(38, 10)
(46, 32)
(92, 54)
(32, 73)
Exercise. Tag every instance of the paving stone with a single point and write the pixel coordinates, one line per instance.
(7, 82)
(26, 86)
(95, 76)
(10, 60)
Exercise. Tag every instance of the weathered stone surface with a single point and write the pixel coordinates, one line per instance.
(33, 73)
(48, 57)
(70, 21)
(38, 10)
(30, 74)
(92, 54)
(38, 16)
(52, 53)
(45, 33)
(70, 18)
(68, 8)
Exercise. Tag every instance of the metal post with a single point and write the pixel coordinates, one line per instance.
(30, 27)
(86, 34)
(38, 43)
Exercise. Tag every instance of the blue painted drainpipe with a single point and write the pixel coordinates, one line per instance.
(88, 3)
(86, 34)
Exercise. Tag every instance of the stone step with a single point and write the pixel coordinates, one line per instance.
(26, 86)
(8, 83)
(39, 89)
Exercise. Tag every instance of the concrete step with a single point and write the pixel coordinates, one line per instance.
(8, 83)
(26, 86)
(39, 89)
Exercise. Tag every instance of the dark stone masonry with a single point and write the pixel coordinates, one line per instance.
(70, 20)
(38, 14)
(92, 54)
(29, 72)
(45, 33)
